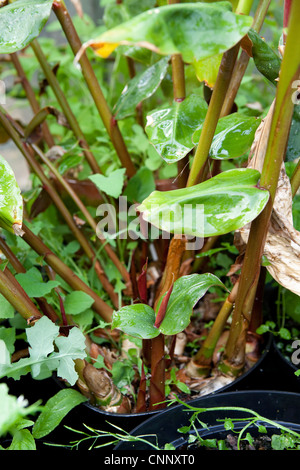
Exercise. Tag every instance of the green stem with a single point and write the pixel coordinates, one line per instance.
(275, 152)
(62, 100)
(212, 116)
(91, 80)
(244, 7)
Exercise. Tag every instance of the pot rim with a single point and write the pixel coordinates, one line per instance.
(151, 425)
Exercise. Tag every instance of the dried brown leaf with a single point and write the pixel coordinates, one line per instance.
(282, 247)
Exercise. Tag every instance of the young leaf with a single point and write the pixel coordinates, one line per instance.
(56, 408)
(6, 309)
(233, 137)
(195, 30)
(11, 202)
(112, 184)
(33, 283)
(140, 185)
(170, 128)
(266, 60)
(217, 206)
(77, 302)
(23, 440)
(136, 320)
(140, 88)
(187, 291)
(21, 22)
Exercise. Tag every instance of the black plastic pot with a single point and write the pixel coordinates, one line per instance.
(100, 419)
(282, 407)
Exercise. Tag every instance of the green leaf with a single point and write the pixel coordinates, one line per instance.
(11, 202)
(44, 357)
(70, 347)
(136, 320)
(12, 410)
(195, 30)
(187, 291)
(33, 283)
(8, 335)
(266, 60)
(170, 128)
(292, 305)
(233, 137)
(56, 408)
(140, 185)
(21, 22)
(23, 440)
(6, 309)
(217, 206)
(112, 184)
(140, 88)
(293, 146)
(207, 69)
(77, 302)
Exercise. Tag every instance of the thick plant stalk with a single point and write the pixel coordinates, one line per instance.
(71, 118)
(234, 355)
(109, 122)
(58, 266)
(243, 60)
(18, 298)
(31, 97)
(244, 7)
(25, 150)
(212, 116)
(171, 273)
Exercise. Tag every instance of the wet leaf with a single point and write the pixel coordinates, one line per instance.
(140, 88)
(195, 30)
(136, 320)
(170, 128)
(217, 206)
(21, 22)
(233, 137)
(11, 202)
(265, 58)
(187, 291)
(207, 69)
